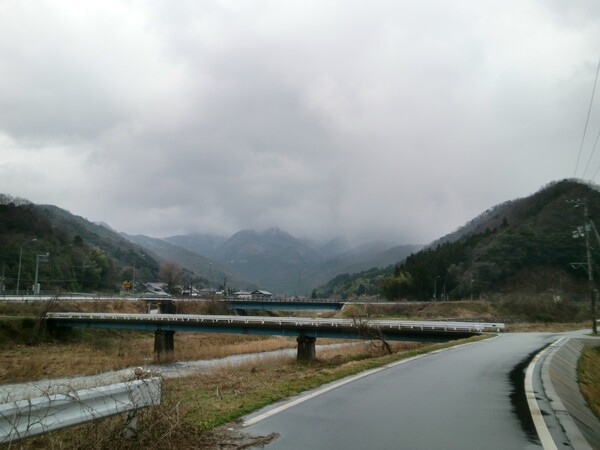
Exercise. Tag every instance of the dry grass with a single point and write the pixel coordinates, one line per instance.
(161, 427)
(588, 374)
(35, 308)
(547, 327)
(423, 310)
(189, 346)
(525, 315)
(26, 363)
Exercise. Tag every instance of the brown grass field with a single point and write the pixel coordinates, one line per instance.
(58, 359)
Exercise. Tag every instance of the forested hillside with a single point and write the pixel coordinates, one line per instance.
(525, 245)
(81, 255)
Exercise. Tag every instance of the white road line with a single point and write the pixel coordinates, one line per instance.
(536, 413)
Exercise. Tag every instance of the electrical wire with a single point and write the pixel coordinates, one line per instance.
(587, 119)
(590, 158)
(593, 150)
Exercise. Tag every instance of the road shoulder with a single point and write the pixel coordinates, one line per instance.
(558, 373)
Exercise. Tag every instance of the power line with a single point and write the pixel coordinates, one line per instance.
(598, 169)
(590, 158)
(587, 119)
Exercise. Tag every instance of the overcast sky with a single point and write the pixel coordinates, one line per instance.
(384, 119)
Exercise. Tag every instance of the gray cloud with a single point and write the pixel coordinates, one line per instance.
(400, 120)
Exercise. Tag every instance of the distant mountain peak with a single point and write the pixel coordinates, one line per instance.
(275, 231)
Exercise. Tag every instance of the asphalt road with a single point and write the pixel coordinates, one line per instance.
(464, 398)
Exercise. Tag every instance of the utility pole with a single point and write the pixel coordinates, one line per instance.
(590, 268)
(20, 259)
(2, 278)
(38, 260)
(587, 225)
(133, 280)
(299, 274)
(83, 266)
(19, 271)
(471, 286)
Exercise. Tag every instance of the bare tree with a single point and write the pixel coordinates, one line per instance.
(371, 332)
(171, 274)
(6, 199)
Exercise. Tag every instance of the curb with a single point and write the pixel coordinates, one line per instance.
(572, 432)
(534, 408)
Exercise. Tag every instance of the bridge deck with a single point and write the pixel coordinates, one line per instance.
(333, 328)
(283, 305)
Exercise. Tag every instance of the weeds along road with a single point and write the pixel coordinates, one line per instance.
(469, 397)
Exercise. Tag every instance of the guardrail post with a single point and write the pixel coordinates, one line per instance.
(306, 348)
(131, 424)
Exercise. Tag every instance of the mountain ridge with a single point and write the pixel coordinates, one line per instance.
(495, 250)
(212, 271)
(280, 262)
(522, 245)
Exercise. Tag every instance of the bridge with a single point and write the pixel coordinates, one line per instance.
(307, 330)
(283, 304)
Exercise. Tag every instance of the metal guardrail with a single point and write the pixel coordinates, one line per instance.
(25, 418)
(79, 298)
(157, 297)
(382, 325)
(291, 300)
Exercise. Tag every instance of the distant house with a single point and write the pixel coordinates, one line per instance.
(192, 291)
(209, 293)
(155, 289)
(242, 295)
(186, 291)
(261, 295)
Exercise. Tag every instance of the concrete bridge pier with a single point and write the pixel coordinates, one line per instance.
(163, 342)
(306, 348)
(163, 339)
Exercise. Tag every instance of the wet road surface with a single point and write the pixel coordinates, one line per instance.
(469, 397)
